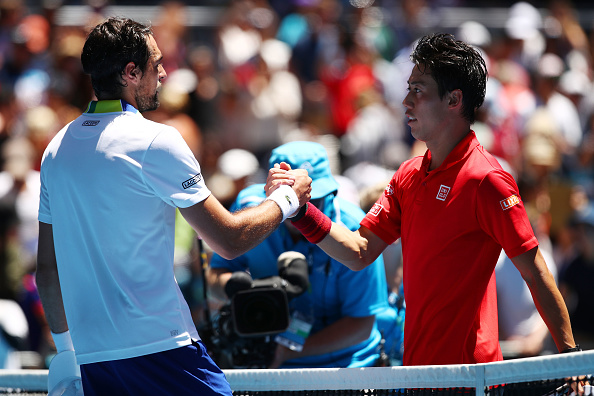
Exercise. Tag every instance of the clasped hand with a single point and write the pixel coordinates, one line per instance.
(298, 179)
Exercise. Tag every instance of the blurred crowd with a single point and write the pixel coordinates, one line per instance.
(329, 71)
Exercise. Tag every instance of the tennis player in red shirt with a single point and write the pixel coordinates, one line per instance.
(454, 209)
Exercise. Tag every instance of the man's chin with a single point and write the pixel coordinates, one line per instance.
(150, 107)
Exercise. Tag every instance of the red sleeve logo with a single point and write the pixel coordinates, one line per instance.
(509, 202)
(375, 209)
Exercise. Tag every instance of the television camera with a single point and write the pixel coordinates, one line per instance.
(241, 335)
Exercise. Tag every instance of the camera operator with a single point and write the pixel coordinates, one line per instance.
(340, 305)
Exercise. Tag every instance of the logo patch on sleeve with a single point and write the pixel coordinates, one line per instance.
(443, 192)
(509, 202)
(389, 190)
(375, 209)
(192, 181)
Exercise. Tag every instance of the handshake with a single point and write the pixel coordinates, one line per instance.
(290, 189)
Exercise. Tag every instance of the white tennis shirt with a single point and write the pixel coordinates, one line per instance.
(110, 183)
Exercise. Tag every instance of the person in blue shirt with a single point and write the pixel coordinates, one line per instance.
(340, 305)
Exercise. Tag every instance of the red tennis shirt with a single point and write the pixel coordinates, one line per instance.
(453, 223)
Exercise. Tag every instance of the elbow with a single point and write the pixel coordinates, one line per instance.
(227, 252)
(360, 262)
(357, 265)
(230, 249)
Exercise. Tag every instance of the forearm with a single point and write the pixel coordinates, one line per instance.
(355, 249)
(48, 282)
(248, 228)
(347, 247)
(552, 309)
(546, 296)
(51, 299)
(232, 234)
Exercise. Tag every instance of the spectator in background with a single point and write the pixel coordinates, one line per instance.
(204, 105)
(261, 96)
(171, 31)
(343, 307)
(275, 99)
(563, 31)
(347, 79)
(510, 95)
(70, 88)
(20, 183)
(312, 31)
(236, 170)
(374, 132)
(523, 35)
(575, 281)
(19, 200)
(563, 112)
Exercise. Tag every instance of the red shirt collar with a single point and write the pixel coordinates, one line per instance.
(461, 151)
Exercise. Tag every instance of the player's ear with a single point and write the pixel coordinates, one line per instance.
(131, 72)
(455, 98)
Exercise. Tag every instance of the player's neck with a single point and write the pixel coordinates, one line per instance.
(440, 150)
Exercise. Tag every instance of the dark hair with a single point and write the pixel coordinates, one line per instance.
(453, 65)
(110, 46)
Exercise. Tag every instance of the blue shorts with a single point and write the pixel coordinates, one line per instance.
(187, 370)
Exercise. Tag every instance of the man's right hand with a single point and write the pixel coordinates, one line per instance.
(302, 185)
(299, 179)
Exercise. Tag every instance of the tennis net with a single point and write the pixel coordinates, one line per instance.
(539, 376)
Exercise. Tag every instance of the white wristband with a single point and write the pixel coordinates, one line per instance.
(286, 199)
(63, 341)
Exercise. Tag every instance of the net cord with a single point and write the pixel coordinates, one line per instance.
(476, 376)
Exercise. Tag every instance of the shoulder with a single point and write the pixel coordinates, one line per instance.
(136, 124)
(486, 160)
(56, 141)
(482, 168)
(413, 164)
(157, 135)
(153, 127)
(407, 169)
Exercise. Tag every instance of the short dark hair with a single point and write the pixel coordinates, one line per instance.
(453, 65)
(109, 47)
